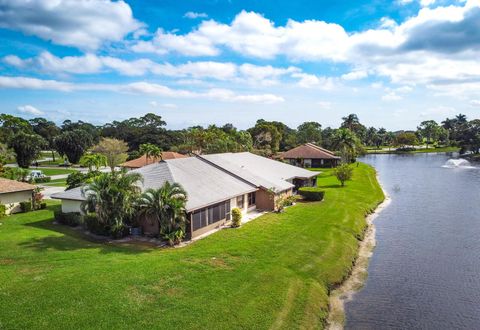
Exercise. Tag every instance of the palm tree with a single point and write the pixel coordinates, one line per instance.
(150, 151)
(350, 122)
(112, 197)
(346, 142)
(93, 161)
(167, 206)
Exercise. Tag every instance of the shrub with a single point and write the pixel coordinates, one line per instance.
(3, 210)
(75, 179)
(288, 201)
(236, 217)
(26, 206)
(311, 193)
(41, 180)
(343, 173)
(92, 224)
(174, 237)
(72, 219)
(43, 206)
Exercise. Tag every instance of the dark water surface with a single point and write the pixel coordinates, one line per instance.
(425, 270)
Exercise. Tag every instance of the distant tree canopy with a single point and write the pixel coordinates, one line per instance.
(73, 144)
(309, 131)
(74, 139)
(136, 131)
(405, 139)
(27, 147)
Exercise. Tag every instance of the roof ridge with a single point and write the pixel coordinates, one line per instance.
(211, 163)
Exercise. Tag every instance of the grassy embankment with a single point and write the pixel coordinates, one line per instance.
(273, 272)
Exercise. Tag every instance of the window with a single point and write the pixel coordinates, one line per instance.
(199, 219)
(240, 202)
(251, 199)
(207, 216)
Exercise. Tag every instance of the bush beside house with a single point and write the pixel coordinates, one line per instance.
(236, 217)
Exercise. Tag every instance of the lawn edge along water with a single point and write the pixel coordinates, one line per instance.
(275, 272)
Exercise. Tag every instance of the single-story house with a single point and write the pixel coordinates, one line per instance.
(144, 161)
(12, 193)
(310, 155)
(215, 184)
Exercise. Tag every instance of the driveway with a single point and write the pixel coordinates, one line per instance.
(49, 191)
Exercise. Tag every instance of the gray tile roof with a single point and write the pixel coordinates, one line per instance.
(204, 184)
(260, 171)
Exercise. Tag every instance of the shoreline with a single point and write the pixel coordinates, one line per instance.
(355, 281)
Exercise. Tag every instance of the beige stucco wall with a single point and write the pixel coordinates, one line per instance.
(69, 206)
(12, 200)
(264, 200)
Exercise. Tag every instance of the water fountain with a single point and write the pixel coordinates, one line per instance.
(455, 163)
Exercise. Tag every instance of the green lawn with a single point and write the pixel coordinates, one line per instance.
(274, 272)
(55, 183)
(53, 171)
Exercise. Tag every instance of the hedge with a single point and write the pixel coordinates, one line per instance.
(72, 219)
(26, 206)
(41, 180)
(3, 210)
(311, 193)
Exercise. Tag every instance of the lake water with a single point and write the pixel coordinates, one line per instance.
(425, 269)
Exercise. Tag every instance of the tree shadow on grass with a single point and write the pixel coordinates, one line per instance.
(75, 239)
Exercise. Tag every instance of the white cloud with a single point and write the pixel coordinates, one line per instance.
(155, 104)
(475, 103)
(82, 24)
(34, 83)
(355, 75)
(89, 63)
(391, 96)
(312, 81)
(141, 87)
(29, 110)
(253, 35)
(194, 15)
(439, 45)
(426, 3)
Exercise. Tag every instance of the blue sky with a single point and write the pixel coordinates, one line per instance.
(394, 63)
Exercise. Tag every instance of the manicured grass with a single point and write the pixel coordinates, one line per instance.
(53, 171)
(424, 150)
(273, 272)
(56, 183)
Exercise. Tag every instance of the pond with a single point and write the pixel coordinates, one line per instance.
(425, 269)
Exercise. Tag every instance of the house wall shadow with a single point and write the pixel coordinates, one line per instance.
(72, 239)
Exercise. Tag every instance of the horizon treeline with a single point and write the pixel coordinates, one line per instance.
(72, 139)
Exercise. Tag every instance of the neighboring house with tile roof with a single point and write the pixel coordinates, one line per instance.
(310, 155)
(215, 184)
(12, 193)
(144, 161)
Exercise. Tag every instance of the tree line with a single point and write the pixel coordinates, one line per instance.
(25, 139)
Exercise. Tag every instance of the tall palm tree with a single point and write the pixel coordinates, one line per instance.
(350, 121)
(112, 197)
(167, 206)
(346, 142)
(150, 151)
